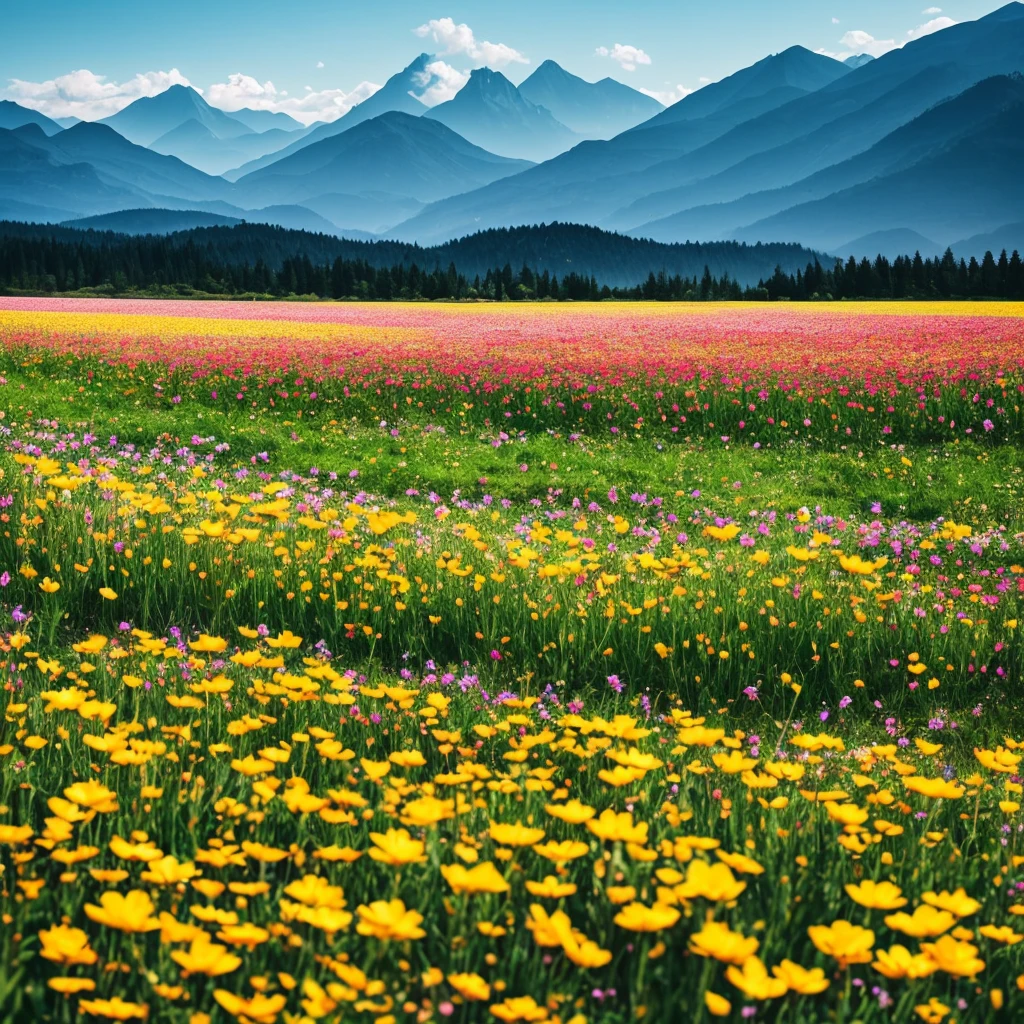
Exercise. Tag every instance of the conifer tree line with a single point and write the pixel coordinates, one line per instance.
(61, 262)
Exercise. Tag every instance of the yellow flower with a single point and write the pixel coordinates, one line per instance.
(636, 917)
(471, 987)
(753, 980)
(108, 593)
(550, 888)
(714, 882)
(717, 940)
(1002, 933)
(64, 945)
(933, 788)
(925, 922)
(131, 912)
(114, 1009)
(847, 943)
(717, 1006)
(899, 962)
(206, 957)
(389, 919)
(877, 895)
(396, 847)
(800, 979)
(260, 1009)
(957, 902)
(482, 877)
(515, 835)
(953, 957)
(618, 827)
(520, 1008)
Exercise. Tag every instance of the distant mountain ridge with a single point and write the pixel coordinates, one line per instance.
(922, 144)
(593, 110)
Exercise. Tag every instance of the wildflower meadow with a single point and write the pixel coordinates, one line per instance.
(577, 663)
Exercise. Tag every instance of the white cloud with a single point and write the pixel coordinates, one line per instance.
(932, 10)
(314, 105)
(319, 64)
(859, 41)
(703, 80)
(627, 57)
(460, 40)
(439, 82)
(88, 96)
(835, 21)
(668, 96)
(935, 25)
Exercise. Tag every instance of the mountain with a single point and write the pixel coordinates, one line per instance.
(134, 167)
(858, 60)
(67, 122)
(594, 110)
(1007, 236)
(264, 120)
(971, 185)
(394, 153)
(150, 221)
(595, 178)
(148, 118)
(35, 184)
(399, 92)
(783, 76)
(194, 143)
(371, 211)
(13, 115)
(765, 138)
(891, 242)
(933, 130)
(491, 113)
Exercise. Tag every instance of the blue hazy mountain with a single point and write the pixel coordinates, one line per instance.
(971, 185)
(858, 60)
(148, 118)
(930, 132)
(594, 178)
(398, 93)
(594, 110)
(395, 153)
(890, 242)
(13, 115)
(265, 120)
(36, 185)
(491, 113)
(194, 143)
(1006, 236)
(755, 141)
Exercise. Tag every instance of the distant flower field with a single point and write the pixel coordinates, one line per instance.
(591, 663)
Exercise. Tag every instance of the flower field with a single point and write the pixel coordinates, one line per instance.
(576, 663)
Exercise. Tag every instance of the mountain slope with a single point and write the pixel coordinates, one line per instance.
(933, 130)
(194, 143)
(398, 93)
(148, 118)
(13, 115)
(595, 179)
(1007, 236)
(396, 153)
(33, 183)
(120, 162)
(491, 113)
(948, 195)
(264, 120)
(594, 110)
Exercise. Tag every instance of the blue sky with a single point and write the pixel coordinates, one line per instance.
(316, 58)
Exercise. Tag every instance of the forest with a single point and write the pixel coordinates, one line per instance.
(256, 260)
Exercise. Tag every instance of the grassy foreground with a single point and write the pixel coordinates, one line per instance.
(515, 684)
